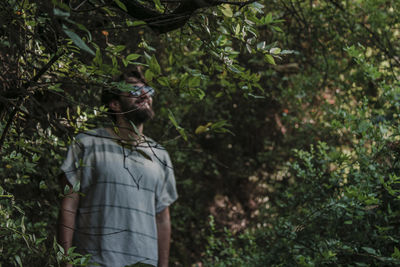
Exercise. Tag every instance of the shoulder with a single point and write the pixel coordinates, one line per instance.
(91, 136)
(150, 142)
(154, 145)
(157, 149)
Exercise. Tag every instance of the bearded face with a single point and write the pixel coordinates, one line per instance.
(137, 109)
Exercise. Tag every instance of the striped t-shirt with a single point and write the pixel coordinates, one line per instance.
(121, 189)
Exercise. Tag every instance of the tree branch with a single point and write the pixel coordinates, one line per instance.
(177, 18)
(22, 97)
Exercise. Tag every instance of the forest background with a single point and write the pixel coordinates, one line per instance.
(280, 116)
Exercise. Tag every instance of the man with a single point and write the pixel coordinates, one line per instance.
(121, 213)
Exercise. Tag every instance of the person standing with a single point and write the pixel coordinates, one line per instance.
(120, 214)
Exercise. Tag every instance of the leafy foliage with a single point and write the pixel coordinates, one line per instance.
(280, 117)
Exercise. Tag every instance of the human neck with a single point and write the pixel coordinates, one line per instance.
(127, 132)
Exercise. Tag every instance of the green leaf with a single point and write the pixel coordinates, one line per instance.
(219, 127)
(149, 75)
(67, 189)
(183, 133)
(133, 57)
(369, 250)
(268, 18)
(154, 66)
(234, 69)
(396, 253)
(164, 81)
(121, 5)
(83, 28)
(256, 96)
(57, 3)
(226, 10)
(158, 5)
(194, 81)
(71, 250)
(59, 13)
(287, 52)
(276, 28)
(172, 119)
(175, 123)
(55, 87)
(219, 94)
(122, 86)
(18, 260)
(270, 59)
(203, 128)
(275, 50)
(108, 11)
(77, 40)
(258, 7)
(19, 209)
(261, 45)
(237, 29)
(363, 126)
(249, 49)
(98, 59)
(138, 23)
(197, 92)
(135, 128)
(119, 48)
(42, 185)
(60, 248)
(77, 186)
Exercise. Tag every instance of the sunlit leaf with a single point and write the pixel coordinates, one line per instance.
(226, 10)
(269, 59)
(275, 50)
(133, 57)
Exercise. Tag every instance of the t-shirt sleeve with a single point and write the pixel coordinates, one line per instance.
(166, 192)
(72, 166)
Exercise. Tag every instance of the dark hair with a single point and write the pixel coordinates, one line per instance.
(112, 93)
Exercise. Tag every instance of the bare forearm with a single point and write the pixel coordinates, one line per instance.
(66, 220)
(66, 224)
(164, 237)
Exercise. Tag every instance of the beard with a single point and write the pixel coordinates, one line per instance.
(136, 113)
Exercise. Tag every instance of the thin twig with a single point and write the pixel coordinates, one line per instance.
(22, 97)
